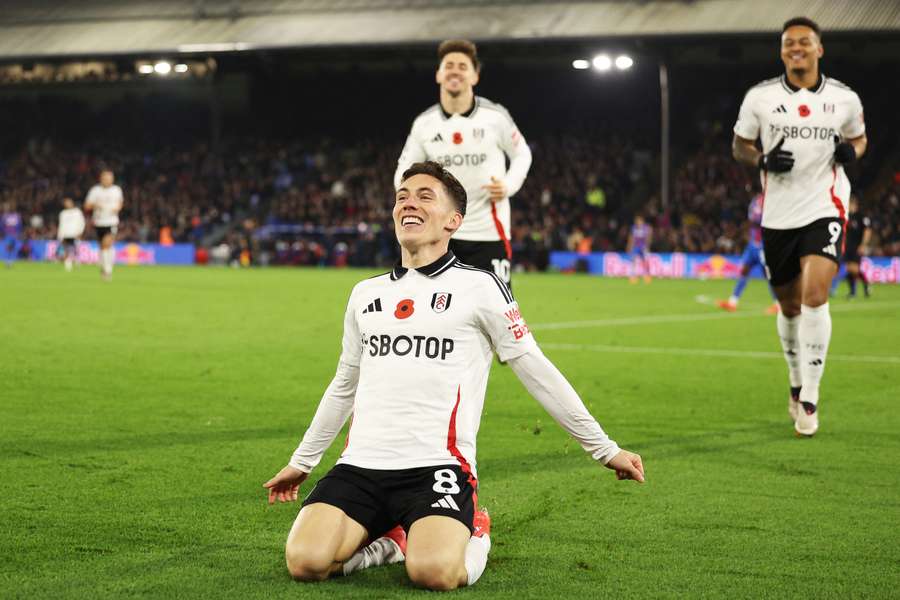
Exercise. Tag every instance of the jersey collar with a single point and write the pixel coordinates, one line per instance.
(466, 114)
(432, 270)
(791, 88)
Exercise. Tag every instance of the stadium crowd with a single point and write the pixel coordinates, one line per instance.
(327, 201)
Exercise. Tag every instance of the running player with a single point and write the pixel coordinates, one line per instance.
(69, 230)
(472, 137)
(639, 239)
(753, 257)
(418, 345)
(797, 117)
(105, 202)
(12, 232)
(859, 233)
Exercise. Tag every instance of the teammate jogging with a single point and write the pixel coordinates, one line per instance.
(810, 126)
(472, 137)
(69, 230)
(105, 202)
(418, 345)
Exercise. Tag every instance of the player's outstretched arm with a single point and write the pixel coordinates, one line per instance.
(334, 410)
(549, 387)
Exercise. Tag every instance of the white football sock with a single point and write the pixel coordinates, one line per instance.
(383, 551)
(814, 335)
(110, 259)
(476, 557)
(788, 333)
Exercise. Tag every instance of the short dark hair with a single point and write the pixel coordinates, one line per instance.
(454, 188)
(465, 46)
(805, 22)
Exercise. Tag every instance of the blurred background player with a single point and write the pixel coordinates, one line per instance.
(472, 137)
(753, 257)
(12, 231)
(71, 226)
(859, 234)
(796, 117)
(639, 239)
(105, 200)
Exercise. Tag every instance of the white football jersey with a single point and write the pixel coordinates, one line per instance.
(424, 341)
(473, 146)
(106, 202)
(808, 120)
(71, 223)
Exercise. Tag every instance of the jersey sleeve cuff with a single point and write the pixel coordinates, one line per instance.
(606, 453)
(300, 465)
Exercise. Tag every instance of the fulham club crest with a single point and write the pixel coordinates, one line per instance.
(440, 301)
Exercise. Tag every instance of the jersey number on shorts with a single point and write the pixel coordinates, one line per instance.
(445, 482)
(501, 268)
(834, 228)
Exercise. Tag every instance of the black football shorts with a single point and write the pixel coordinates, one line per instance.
(783, 248)
(381, 499)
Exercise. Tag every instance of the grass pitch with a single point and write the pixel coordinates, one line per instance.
(141, 417)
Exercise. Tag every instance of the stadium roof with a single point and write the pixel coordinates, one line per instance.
(94, 28)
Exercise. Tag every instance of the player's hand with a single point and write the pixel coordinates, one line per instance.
(844, 152)
(284, 486)
(777, 160)
(627, 465)
(496, 189)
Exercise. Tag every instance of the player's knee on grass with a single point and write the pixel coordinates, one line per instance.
(308, 562)
(434, 572)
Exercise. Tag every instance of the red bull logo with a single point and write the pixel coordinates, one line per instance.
(134, 254)
(717, 267)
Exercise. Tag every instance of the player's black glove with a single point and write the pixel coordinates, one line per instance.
(777, 160)
(844, 152)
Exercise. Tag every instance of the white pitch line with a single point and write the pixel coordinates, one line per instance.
(650, 319)
(710, 352)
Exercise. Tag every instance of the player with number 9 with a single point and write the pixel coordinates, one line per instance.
(810, 126)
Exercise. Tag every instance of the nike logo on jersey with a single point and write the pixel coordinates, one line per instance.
(374, 306)
(446, 502)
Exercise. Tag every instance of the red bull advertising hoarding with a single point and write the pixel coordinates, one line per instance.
(678, 265)
(126, 253)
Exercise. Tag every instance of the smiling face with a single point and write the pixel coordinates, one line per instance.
(456, 74)
(424, 213)
(801, 49)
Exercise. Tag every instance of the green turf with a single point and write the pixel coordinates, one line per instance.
(140, 418)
